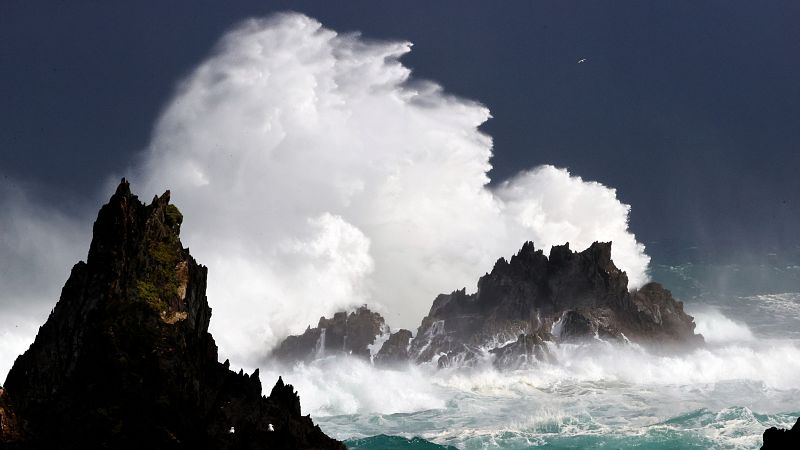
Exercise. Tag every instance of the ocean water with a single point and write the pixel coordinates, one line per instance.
(597, 395)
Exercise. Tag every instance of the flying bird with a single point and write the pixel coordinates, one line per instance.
(581, 61)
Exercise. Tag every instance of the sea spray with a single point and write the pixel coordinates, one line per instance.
(320, 174)
(717, 328)
(598, 394)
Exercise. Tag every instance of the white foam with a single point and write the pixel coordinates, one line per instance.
(375, 347)
(717, 328)
(785, 304)
(595, 389)
(348, 385)
(315, 174)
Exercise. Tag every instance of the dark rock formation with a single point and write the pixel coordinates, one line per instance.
(527, 349)
(10, 426)
(125, 359)
(350, 334)
(584, 324)
(575, 326)
(532, 299)
(395, 350)
(779, 439)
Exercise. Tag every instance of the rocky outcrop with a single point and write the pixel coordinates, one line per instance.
(530, 300)
(521, 308)
(779, 439)
(125, 359)
(528, 349)
(350, 334)
(395, 350)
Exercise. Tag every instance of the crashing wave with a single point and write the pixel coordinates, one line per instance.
(521, 309)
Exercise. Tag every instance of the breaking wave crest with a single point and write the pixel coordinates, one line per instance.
(722, 395)
(737, 427)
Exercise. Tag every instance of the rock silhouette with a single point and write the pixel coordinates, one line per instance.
(344, 333)
(533, 299)
(125, 359)
(520, 308)
(780, 439)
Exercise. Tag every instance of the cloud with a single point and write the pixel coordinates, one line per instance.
(38, 247)
(314, 173)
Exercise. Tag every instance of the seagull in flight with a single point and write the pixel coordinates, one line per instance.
(582, 60)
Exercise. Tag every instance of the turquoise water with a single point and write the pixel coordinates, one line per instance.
(689, 431)
(597, 395)
(385, 442)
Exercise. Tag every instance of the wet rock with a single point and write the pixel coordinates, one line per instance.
(466, 356)
(344, 333)
(395, 350)
(650, 315)
(125, 359)
(526, 351)
(573, 295)
(574, 326)
(584, 325)
(305, 347)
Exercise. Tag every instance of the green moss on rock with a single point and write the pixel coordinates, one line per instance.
(149, 293)
(173, 215)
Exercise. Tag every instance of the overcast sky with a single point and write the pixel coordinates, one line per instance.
(314, 174)
(690, 109)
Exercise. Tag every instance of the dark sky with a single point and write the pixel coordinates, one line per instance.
(690, 109)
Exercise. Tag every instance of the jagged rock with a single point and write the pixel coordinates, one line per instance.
(304, 347)
(582, 325)
(285, 395)
(528, 349)
(574, 326)
(650, 314)
(395, 350)
(574, 295)
(779, 439)
(344, 333)
(125, 359)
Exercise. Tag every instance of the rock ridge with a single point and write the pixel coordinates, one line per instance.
(531, 300)
(345, 333)
(521, 308)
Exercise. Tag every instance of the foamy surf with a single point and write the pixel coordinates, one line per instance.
(598, 395)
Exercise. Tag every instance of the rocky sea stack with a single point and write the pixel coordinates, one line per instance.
(350, 334)
(532, 299)
(125, 359)
(520, 308)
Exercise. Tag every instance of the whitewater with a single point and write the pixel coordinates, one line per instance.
(597, 395)
(316, 174)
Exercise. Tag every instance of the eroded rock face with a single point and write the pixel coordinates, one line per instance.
(532, 299)
(528, 349)
(125, 359)
(395, 350)
(344, 333)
